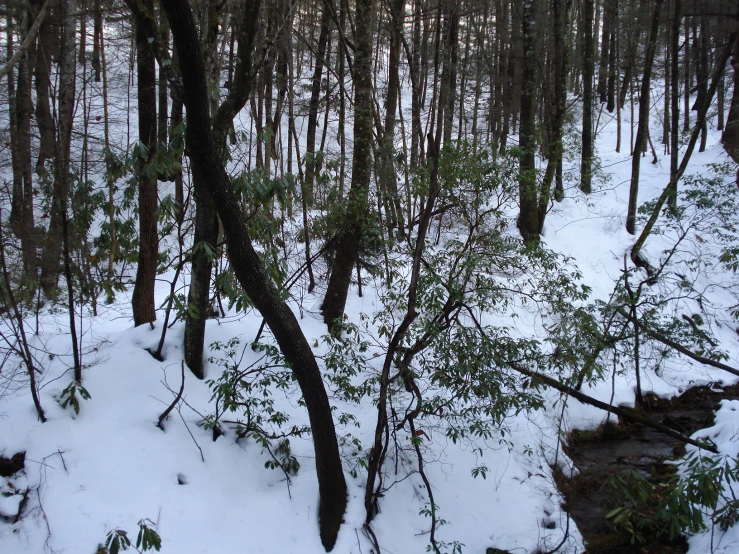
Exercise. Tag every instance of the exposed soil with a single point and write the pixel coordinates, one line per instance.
(613, 449)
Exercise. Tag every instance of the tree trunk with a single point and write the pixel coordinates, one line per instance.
(730, 136)
(51, 256)
(386, 169)
(528, 217)
(310, 149)
(206, 220)
(643, 129)
(206, 164)
(675, 98)
(347, 242)
(144, 309)
(586, 161)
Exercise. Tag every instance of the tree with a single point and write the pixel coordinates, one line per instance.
(209, 171)
(730, 137)
(528, 218)
(586, 161)
(144, 310)
(350, 234)
(643, 129)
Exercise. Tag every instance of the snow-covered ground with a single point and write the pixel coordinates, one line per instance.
(110, 466)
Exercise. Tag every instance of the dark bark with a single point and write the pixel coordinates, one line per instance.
(144, 310)
(586, 161)
(643, 130)
(206, 164)
(612, 57)
(97, 39)
(674, 97)
(44, 120)
(162, 126)
(21, 109)
(206, 220)
(449, 74)
(557, 108)
(605, 51)
(310, 149)
(730, 136)
(347, 242)
(528, 217)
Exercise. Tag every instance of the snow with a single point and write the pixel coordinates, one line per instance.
(110, 466)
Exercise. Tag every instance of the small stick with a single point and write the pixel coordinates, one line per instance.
(166, 412)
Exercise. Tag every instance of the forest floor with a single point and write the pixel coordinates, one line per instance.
(105, 469)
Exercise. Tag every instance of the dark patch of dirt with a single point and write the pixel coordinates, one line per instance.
(613, 449)
(12, 465)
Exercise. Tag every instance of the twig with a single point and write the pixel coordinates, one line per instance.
(166, 412)
(191, 435)
(561, 544)
(279, 464)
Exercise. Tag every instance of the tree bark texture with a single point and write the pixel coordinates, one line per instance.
(348, 240)
(206, 164)
(730, 137)
(528, 217)
(586, 161)
(144, 309)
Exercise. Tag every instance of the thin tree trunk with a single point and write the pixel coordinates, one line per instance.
(675, 99)
(50, 260)
(643, 129)
(586, 161)
(386, 169)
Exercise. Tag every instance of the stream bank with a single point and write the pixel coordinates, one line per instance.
(616, 448)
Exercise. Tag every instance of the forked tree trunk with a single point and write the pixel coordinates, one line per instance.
(209, 172)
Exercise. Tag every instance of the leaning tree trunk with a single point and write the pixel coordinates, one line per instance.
(643, 129)
(206, 220)
(144, 310)
(209, 172)
(347, 243)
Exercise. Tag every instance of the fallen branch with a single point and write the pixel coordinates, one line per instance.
(680, 348)
(177, 398)
(624, 413)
